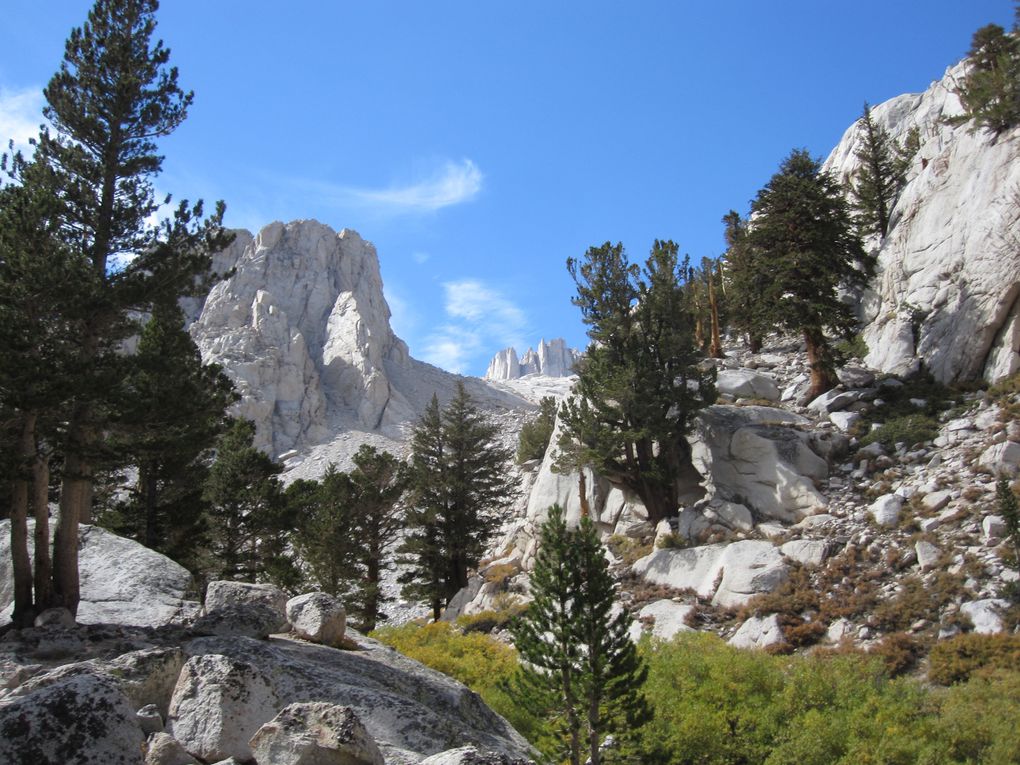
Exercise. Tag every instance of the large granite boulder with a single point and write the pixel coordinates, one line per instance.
(76, 717)
(318, 617)
(729, 574)
(122, 581)
(315, 733)
(758, 457)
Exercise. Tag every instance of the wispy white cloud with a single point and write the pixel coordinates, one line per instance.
(420, 257)
(481, 320)
(20, 116)
(453, 183)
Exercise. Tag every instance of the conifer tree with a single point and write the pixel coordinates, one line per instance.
(460, 486)
(743, 294)
(805, 251)
(171, 409)
(112, 98)
(579, 664)
(990, 90)
(535, 434)
(641, 381)
(247, 516)
(326, 537)
(380, 481)
(879, 177)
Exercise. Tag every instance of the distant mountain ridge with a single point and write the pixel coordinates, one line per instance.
(552, 359)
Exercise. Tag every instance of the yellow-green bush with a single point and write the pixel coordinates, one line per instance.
(482, 663)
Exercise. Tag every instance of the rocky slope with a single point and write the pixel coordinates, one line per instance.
(302, 327)
(789, 520)
(949, 268)
(552, 359)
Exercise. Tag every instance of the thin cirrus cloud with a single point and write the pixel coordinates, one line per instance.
(20, 116)
(452, 184)
(480, 320)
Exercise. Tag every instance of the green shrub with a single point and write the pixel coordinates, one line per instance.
(909, 429)
(955, 660)
(854, 348)
(628, 549)
(487, 621)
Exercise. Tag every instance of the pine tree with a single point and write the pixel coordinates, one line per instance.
(990, 91)
(172, 408)
(1007, 506)
(535, 434)
(326, 537)
(579, 666)
(112, 98)
(380, 481)
(247, 516)
(641, 381)
(743, 294)
(879, 177)
(805, 251)
(460, 486)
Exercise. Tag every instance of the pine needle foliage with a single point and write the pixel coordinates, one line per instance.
(641, 381)
(579, 668)
(805, 251)
(460, 486)
(880, 175)
(990, 90)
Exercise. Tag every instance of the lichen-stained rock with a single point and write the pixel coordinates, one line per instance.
(729, 574)
(79, 718)
(318, 617)
(746, 383)
(254, 620)
(756, 456)
(403, 705)
(122, 581)
(668, 618)
(163, 749)
(224, 593)
(315, 733)
(218, 704)
(468, 755)
(948, 279)
(758, 632)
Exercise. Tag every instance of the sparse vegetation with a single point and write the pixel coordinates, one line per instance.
(954, 661)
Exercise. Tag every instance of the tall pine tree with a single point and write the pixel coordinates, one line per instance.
(579, 666)
(460, 487)
(641, 381)
(805, 251)
(112, 98)
(990, 90)
(880, 175)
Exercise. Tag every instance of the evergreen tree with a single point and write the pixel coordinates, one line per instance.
(579, 666)
(536, 433)
(326, 538)
(112, 98)
(805, 251)
(743, 294)
(460, 487)
(247, 516)
(990, 91)
(879, 177)
(1007, 506)
(380, 481)
(641, 381)
(172, 409)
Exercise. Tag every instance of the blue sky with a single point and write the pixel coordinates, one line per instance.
(479, 144)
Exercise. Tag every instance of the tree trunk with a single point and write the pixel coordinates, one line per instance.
(715, 346)
(823, 370)
(753, 342)
(582, 490)
(147, 480)
(24, 609)
(372, 591)
(75, 492)
(41, 510)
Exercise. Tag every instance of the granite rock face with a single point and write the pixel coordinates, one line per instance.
(303, 329)
(948, 279)
(552, 359)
